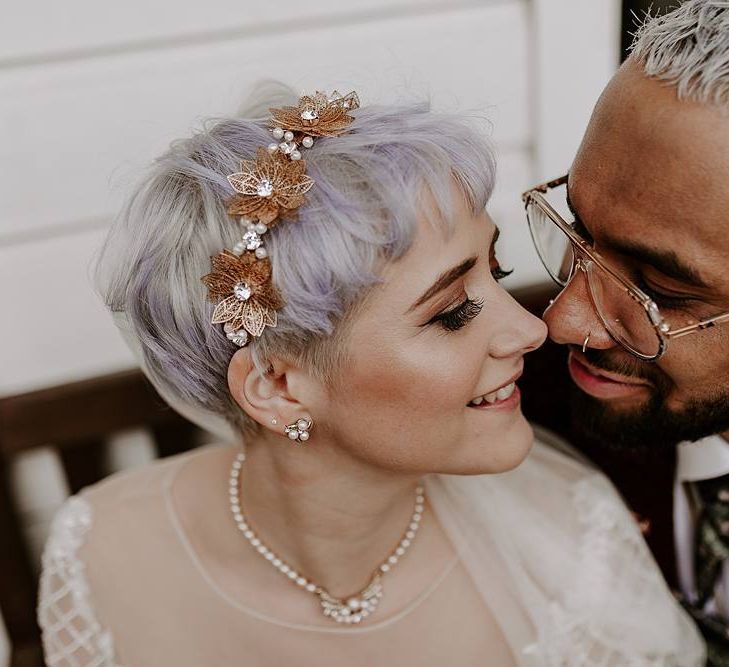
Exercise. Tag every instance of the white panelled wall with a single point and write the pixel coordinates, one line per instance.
(92, 93)
(85, 104)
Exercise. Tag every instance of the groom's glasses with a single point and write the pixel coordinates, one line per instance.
(630, 316)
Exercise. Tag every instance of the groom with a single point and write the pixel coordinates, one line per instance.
(649, 192)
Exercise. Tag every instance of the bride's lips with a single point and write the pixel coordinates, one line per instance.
(603, 384)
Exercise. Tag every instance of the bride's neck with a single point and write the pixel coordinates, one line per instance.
(330, 516)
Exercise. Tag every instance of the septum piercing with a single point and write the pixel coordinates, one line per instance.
(584, 345)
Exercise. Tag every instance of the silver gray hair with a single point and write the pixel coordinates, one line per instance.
(689, 49)
(362, 211)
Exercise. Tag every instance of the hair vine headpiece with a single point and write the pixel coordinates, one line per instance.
(268, 190)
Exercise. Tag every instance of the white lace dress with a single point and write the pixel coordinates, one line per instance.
(549, 549)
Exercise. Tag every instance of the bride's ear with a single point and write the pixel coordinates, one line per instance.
(264, 395)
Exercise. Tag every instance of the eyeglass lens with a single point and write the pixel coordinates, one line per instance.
(623, 316)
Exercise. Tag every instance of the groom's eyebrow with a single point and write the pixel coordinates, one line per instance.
(665, 261)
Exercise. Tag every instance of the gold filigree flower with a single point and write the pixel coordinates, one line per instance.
(317, 115)
(243, 289)
(270, 187)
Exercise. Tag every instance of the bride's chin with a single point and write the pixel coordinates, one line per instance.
(500, 451)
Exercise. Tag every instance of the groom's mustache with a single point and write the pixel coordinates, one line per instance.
(623, 364)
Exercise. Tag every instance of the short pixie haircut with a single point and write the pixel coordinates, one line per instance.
(361, 212)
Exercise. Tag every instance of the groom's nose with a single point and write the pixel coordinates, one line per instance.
(571, 317)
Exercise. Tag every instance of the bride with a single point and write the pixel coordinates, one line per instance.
(321, 284)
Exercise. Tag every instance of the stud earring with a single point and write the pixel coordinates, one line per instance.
(299, 430)
(274, 421)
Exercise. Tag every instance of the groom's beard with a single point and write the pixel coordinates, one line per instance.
(651, 425)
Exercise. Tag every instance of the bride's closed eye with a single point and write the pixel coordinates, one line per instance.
(462, 314)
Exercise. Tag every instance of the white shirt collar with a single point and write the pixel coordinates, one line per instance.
(703, 459)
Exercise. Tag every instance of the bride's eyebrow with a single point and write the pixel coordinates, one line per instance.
(445, 279)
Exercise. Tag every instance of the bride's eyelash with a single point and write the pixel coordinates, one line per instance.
(460, 316)
(499, 274)
(463, 313)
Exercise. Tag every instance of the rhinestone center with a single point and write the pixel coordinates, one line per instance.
(252, 240)
(287, 147)
(239, 337)
(264, 188)
(242, 291)
(309, 114)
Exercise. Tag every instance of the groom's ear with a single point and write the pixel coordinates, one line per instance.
(276, 391)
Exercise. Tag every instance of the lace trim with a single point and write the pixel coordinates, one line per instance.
(584, 624)
(72, 635)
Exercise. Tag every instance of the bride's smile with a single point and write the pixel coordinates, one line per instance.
(436, 332)
(499, 398)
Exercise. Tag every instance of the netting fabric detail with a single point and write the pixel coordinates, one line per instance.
(72, 635)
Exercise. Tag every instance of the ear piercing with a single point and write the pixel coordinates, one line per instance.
(299, 430)
(274, 421)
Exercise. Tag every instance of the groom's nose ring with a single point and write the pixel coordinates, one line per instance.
(587, 340)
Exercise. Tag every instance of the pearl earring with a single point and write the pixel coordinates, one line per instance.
(299, 430)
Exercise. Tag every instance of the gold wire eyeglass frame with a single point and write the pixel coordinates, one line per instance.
(582, 249)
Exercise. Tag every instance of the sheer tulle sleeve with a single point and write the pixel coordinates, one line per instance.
(72, 635)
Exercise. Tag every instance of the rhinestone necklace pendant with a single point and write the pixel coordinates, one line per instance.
(351, 610)
(356, 608)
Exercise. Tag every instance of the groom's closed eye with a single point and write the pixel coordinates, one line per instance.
(666, 262)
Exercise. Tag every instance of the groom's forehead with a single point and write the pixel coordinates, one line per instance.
(656, 169)
(651, 223)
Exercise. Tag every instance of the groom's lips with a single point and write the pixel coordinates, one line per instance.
(603, 384)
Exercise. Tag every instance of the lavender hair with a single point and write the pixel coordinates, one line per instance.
(362, 211)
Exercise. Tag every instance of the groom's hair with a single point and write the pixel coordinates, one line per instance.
(688, 48)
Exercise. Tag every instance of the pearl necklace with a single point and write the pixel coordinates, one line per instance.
(353, 609)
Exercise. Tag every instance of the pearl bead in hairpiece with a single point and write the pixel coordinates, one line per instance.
(351, 610)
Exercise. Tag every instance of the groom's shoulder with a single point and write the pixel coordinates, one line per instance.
(559, 481)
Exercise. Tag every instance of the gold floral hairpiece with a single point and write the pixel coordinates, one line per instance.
(269, 189)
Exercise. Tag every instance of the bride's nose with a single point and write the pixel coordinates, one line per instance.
(519, 332)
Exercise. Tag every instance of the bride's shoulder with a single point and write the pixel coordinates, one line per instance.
(119, 506)
(138, 489)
